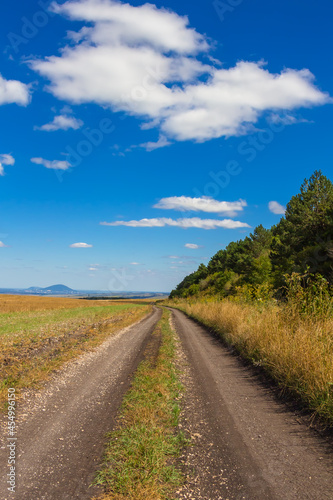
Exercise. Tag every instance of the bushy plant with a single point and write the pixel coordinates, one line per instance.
(308, 294)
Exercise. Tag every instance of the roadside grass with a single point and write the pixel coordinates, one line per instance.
(34, 342)
(140, 455)
(295, 350)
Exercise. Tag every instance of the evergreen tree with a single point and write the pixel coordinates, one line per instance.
(303, 239)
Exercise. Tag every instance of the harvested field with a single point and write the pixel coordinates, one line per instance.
(38, 334)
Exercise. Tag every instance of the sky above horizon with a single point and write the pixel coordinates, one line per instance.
(138, 139)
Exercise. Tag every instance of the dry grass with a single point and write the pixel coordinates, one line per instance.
(24, 303)
(38, 334)
(139, 460)
(296, 351)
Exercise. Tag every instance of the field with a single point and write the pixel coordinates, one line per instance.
(295, 350)
(38, 334)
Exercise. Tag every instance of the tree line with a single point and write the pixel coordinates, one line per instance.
(260, 264)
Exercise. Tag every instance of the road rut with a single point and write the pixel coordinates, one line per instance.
(247, 445)
(61, 431)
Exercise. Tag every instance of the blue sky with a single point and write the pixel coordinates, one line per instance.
(137, 140)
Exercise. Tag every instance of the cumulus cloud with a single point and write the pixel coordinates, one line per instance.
(52, 164)
(135, 263)
(5, 159)
(13, 91)
(276, 208)
(203, 204)
(80, 245)
(61, 122)
(193, 246)
(148, 62)
(194, 222)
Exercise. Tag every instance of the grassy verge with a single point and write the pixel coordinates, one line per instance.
(140, 453)
(36, 341)
(295, 350)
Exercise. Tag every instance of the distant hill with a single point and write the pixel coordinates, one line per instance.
(59, 289)
(53, 289)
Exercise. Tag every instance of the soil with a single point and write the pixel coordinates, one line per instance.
(61, 429)
(245, 444)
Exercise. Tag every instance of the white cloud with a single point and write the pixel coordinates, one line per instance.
(5, 159)
(144, 61)
(2, 245)
(135, 263)
(204, 204)
(90, 268)
(276, 208)
(287, 119)
(54, 164)
(61, 122)
(146, 24)
(13, 91)
(194, 222)
(161, 143)
(80, 245)
(193, 246)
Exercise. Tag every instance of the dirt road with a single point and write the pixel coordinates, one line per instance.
(247, 445)
(61, 435)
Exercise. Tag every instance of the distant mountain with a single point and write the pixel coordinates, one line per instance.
(53, 289)
(58, 289)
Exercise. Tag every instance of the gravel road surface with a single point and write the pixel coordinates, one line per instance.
(246, 444)
(61, 430)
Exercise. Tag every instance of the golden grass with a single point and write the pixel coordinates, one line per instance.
(25, 303)
(45, 332)
(296, 351)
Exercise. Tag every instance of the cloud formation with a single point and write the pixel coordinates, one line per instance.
(148, 62)
(192, 246)
(52, 164)
(2, 245)
(80, 245)
(13, 91)
(194, 222)
(61, 122)
(203, 204)
(5, 159)
(161, 143)
(276, 208)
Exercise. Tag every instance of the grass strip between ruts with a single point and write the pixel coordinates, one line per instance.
(140, 456)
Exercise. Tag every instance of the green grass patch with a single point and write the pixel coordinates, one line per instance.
(140, 457)
(14, 324)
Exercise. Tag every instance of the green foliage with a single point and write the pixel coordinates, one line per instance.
(303, 238)
(308, 295)
(258, 265)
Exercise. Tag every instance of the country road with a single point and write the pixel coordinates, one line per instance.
(246, 444)
(61, 436)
